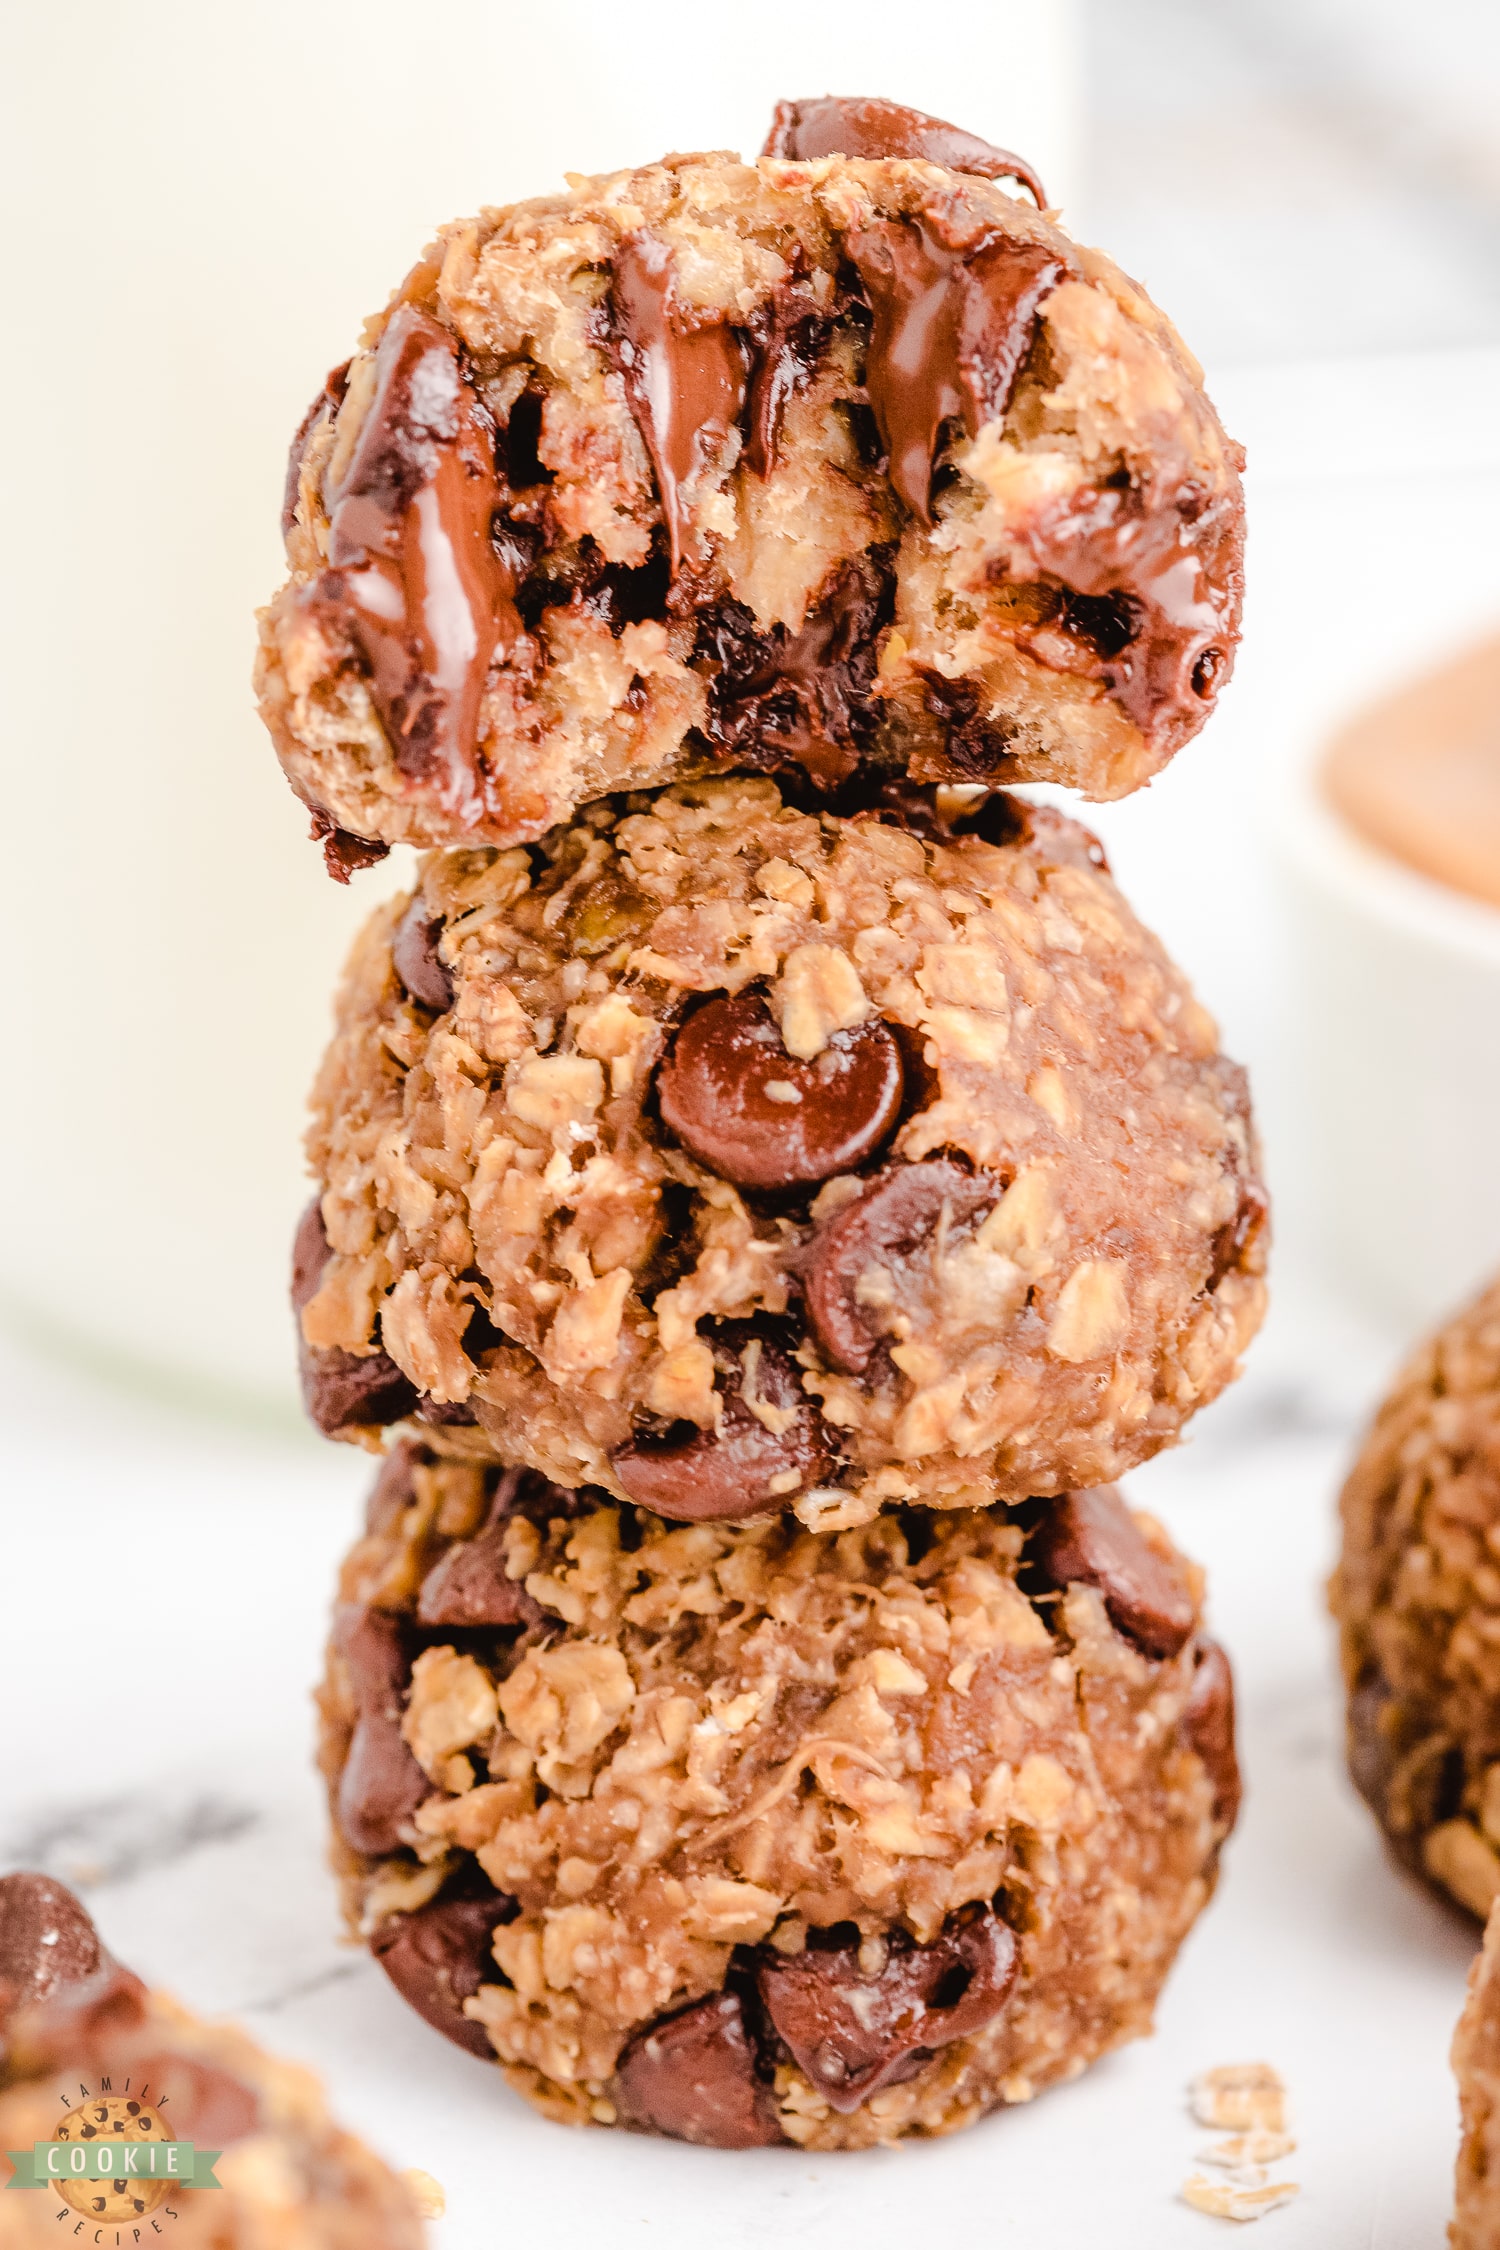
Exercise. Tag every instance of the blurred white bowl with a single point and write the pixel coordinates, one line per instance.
(1397, 1002)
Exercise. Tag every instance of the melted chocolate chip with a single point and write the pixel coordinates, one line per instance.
(693, 2076)
(47, 1941)
(889, 1229)
(844, 125)
(1176, 573)
(415, 577)
(752, 1461)
(344, 855)
(340, 1390)
(800, 698)
(761, 1117)
(1371, 1752)
(1092, 1539)
(787, 334)
(952, 328)
(328, 401)
(438, 1957)
(686, 379)
(381, 1785)
(1232, 1242)
(1207, 1725)
(393, 1490)
(469, 1586)
(416, 960)
(203, 2101)
(852, 2033)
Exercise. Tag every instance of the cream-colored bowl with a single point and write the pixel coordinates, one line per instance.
(1396, 1005)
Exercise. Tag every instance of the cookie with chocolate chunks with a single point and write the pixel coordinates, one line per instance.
(843, 460)
(765, 1156)
(87, 2053)
(1413, 1593)
(762, 1836)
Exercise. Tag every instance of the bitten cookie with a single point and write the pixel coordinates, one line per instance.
(1417, 1597)
(1476, 2065)
(87, 2053)
(846, 458)
(730, 1156)
(752, 1835)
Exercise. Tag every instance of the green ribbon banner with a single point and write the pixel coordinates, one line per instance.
(50, 2163)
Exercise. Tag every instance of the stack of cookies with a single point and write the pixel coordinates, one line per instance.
(770, 1185)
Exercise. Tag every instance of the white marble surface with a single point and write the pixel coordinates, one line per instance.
(165, 1583)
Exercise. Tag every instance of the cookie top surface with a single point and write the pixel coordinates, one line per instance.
(790, 1158)
(833, 461)
(674, 1757)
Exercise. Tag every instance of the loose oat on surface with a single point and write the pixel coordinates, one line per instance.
(751, 1834)
(1417, 1597)
(732, 1156)
(73, 2023)
(826, 463)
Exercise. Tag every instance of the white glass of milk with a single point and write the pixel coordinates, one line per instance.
(202, 205)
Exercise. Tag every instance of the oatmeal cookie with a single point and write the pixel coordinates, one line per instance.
(1476, 2065)
(1417, 1597)
(751, 1834)
(732, 1156)
(75, 2025)
(848, 458)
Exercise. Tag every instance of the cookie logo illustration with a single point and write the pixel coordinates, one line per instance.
(113, 2160)
(103, 2122)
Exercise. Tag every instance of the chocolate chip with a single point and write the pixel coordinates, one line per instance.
(853, 2033)
(952, 327)
(469, 1586)
(47, 1940)
(686, 383)
(393, 1490)
(1207, 1725)
(762, 1117)
(381, 1785)
(1371, 1752)
(692, 2076)
(843, 125)
(1232, 1242)
(693, 1475)
(416, 960)
(1092, 1539)
(438, 1957)
(889, 1229)
(204, 2102)
(340, 1390)
(344, 855)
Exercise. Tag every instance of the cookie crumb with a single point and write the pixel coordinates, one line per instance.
(427, 2193)
(1240, 2097)
(1237, 2199)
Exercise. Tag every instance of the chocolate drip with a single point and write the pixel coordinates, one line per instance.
(787, 335)
(686, 386)
(845, 125)
(416, 579)
(952, 328)
(801, 698)
(1169, 574)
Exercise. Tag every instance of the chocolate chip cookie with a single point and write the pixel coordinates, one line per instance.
(1476, 2065)
(847, 459)
(74, 2023)
(731, 1156)
(1417, 1597)
(750, 1835)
